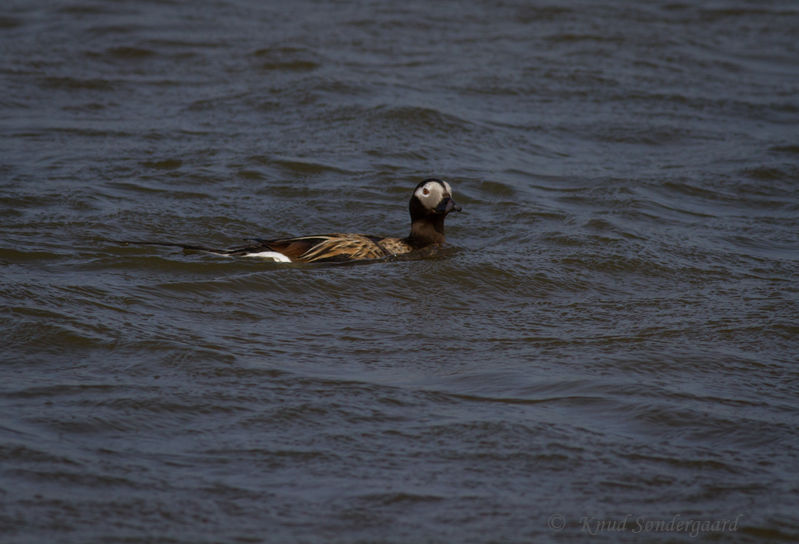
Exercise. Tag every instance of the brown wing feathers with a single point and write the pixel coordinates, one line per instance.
(328, 247)
(343, 247)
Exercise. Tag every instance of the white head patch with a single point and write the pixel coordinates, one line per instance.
(432, 193)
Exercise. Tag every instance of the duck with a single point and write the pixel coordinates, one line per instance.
(430, 203)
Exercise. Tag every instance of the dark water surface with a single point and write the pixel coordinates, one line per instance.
(607, 352)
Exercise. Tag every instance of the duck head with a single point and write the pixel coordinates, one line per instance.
(430, 203)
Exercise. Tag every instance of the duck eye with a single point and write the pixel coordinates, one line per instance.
(425, 191)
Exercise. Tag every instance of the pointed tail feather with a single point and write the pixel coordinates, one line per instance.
(259, 249)
(190, 247)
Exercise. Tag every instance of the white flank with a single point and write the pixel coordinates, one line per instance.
(273, 255)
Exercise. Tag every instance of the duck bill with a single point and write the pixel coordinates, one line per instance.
(447, 205)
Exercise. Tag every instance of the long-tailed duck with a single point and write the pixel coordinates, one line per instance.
(430, 203)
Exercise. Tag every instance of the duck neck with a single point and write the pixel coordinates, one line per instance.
(426, 231)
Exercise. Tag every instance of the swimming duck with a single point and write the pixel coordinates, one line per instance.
(430, 203)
